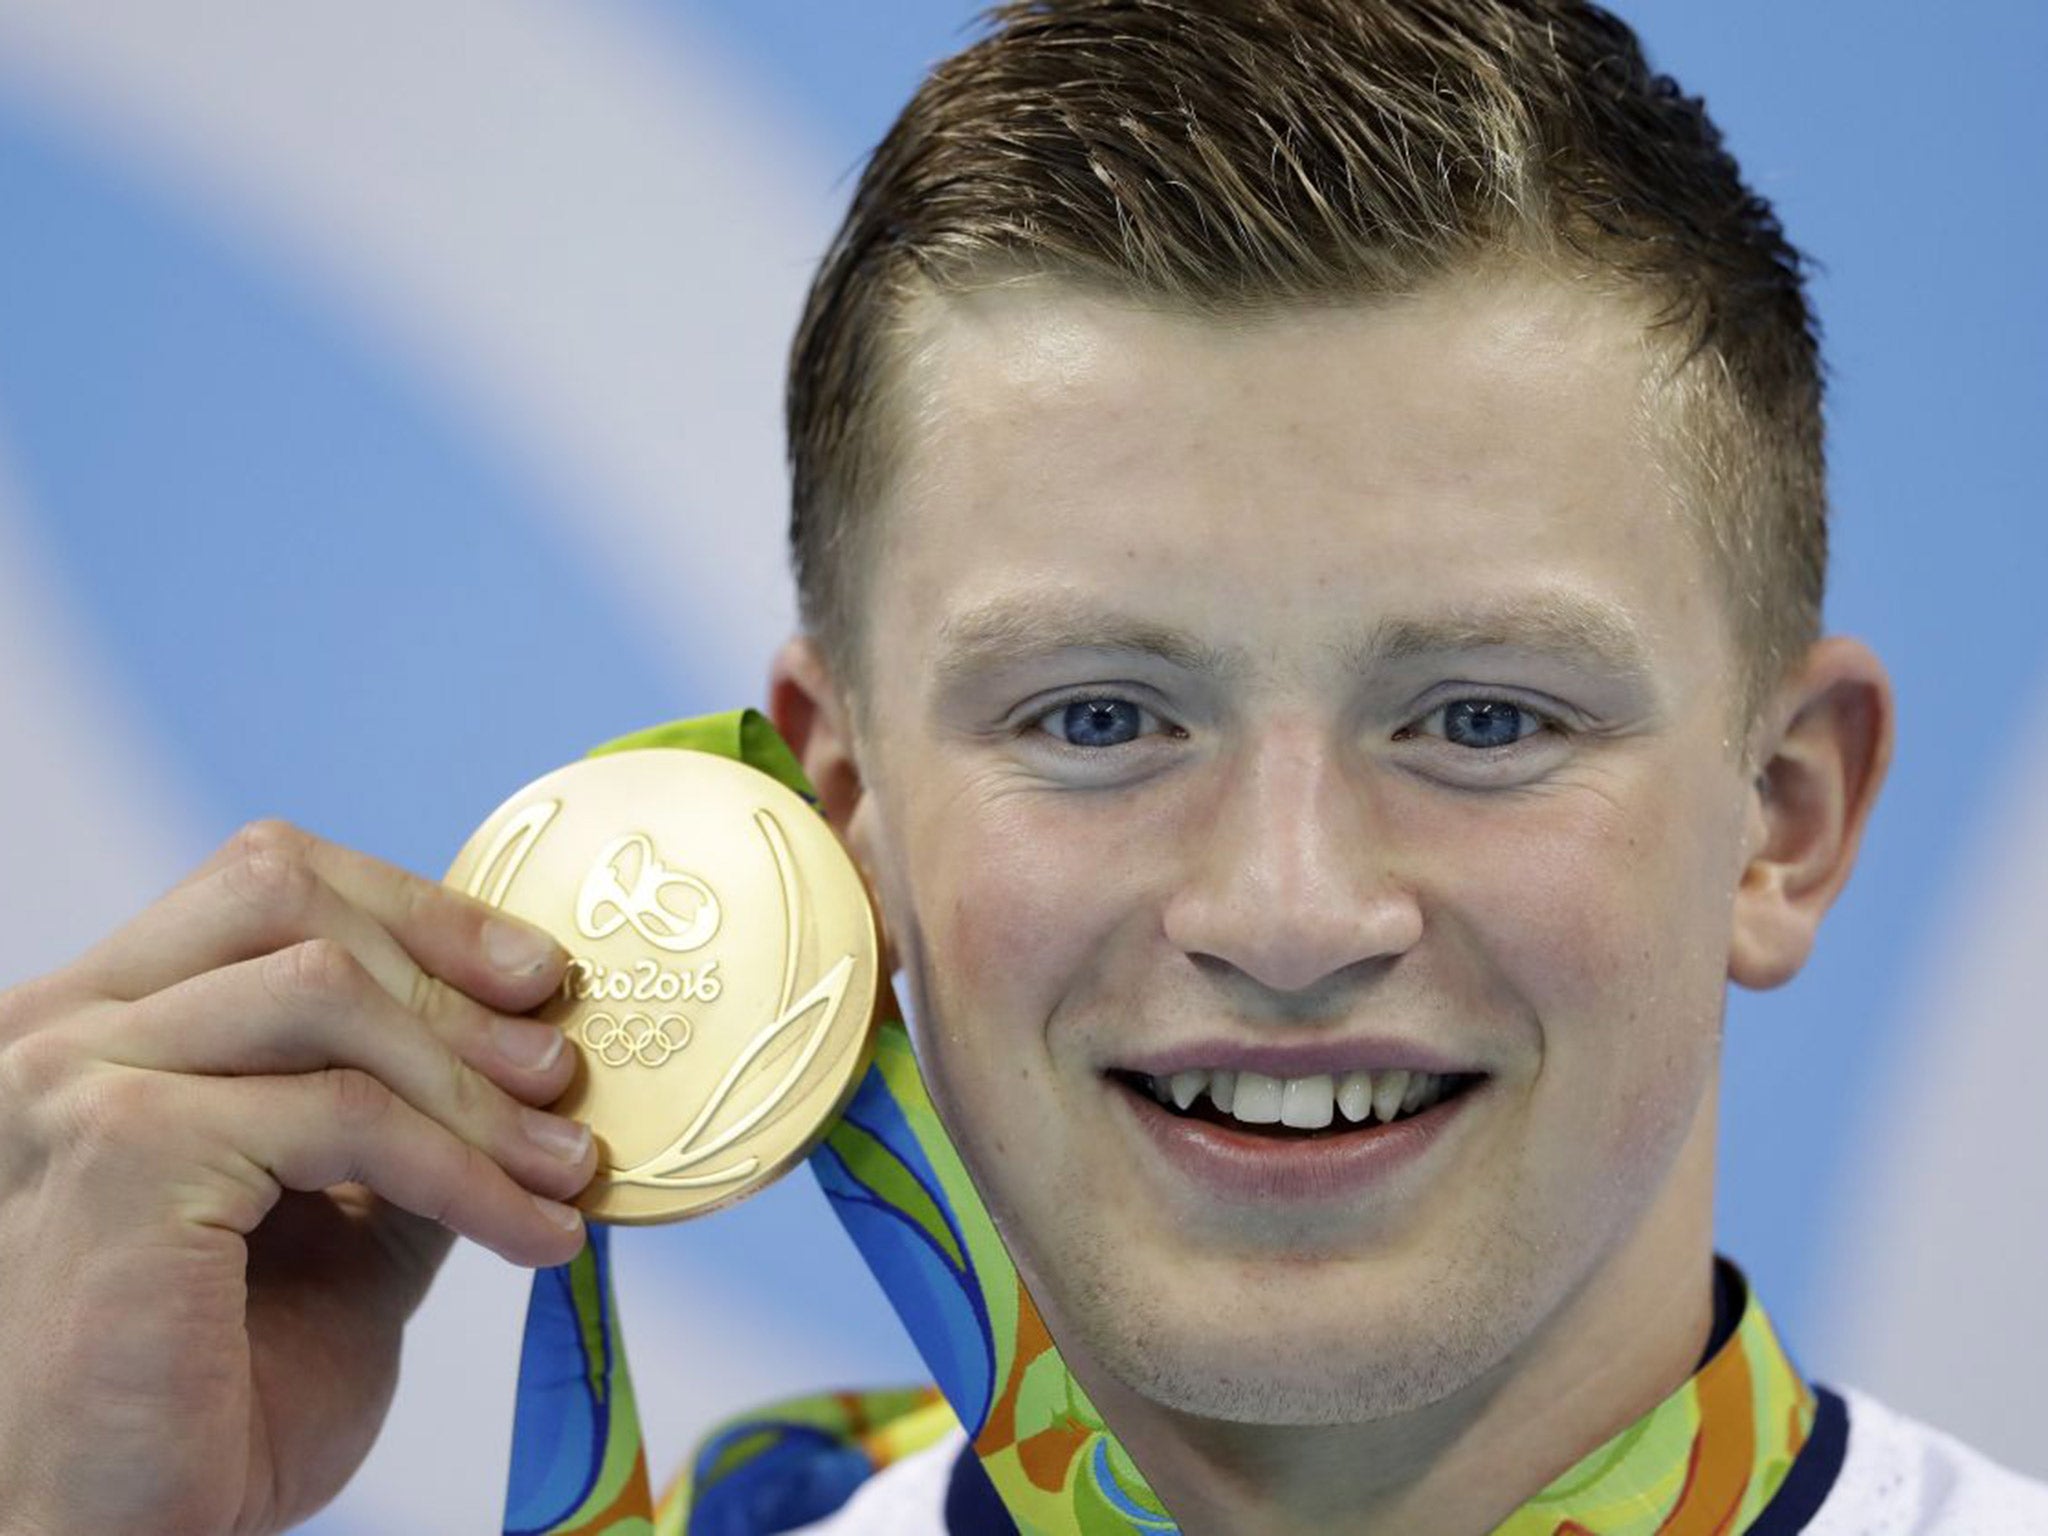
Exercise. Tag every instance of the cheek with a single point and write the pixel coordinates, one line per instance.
(1604, 917)
(1007, 916)
(1001, 933)
(1578, 922)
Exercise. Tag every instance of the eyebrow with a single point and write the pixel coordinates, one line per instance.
(1009, 631)
(1568, 626)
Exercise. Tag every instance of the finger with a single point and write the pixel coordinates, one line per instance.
(314, 1007)
(312, 1131)
(272, 899)
(488, 954)
(269, 886)
(268, 896)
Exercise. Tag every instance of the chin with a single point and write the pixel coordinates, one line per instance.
(1278, 1352)
(1295, 1385)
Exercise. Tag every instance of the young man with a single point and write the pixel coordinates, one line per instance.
(1310, 522)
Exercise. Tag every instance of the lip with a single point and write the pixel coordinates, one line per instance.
(1302, 1058)
(1241, 1167)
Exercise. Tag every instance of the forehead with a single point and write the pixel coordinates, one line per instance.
(1452, 446)
(1535, 363)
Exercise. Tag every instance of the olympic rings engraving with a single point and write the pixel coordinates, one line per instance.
(636, 1037)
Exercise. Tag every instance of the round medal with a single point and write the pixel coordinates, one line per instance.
(722, 993)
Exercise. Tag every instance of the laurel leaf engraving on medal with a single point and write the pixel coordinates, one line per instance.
(502, 861)
(671, 1168)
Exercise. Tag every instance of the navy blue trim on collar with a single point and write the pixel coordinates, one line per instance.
(973, 1507)
(1814, 1470)
(1731, 1297)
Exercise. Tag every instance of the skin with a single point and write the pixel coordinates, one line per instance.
(236, 1139)
(1286, 839)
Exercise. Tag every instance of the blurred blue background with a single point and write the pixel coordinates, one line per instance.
(389, 409)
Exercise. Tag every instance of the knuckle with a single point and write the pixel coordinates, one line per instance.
(425, 907)
(266, 858)
(357, 1099)
(452, 1193)
(24, 1006)
(472, 1100)
(113, 1109)
(416, 900)
(272, 876)
(34, 1066)
(475, 1175)
(269, 837)
(316, 972)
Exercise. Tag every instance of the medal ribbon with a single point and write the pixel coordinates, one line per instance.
(1707, 1459)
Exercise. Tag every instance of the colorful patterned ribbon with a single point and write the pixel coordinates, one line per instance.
(1706, 1460)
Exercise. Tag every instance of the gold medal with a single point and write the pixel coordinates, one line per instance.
(722, 991)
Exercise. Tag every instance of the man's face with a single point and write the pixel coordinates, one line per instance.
(1336, 693)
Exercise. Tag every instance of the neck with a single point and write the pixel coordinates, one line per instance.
(1627, 1337)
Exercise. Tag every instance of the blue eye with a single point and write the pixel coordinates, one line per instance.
(1096, 722)
(1483, 724)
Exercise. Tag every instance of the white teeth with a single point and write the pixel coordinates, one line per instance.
(1388, 1088)
(1419, 1083)
(1257, 1100)
(1307, 1103)
(1354, 1096)
(1223, 1090)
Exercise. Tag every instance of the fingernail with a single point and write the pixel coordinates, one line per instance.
(567, 1217)
(527, 1044)
(568, 1140)
(516, 949)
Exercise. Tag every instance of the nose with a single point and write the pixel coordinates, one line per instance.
(1291, 885)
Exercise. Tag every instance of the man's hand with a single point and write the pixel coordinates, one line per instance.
(234, 1141)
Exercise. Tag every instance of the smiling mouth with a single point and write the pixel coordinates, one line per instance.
(1327, 1105)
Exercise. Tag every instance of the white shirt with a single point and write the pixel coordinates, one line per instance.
(1900, 1477)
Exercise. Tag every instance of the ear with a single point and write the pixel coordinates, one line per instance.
(1819, 768)
(815, 717)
